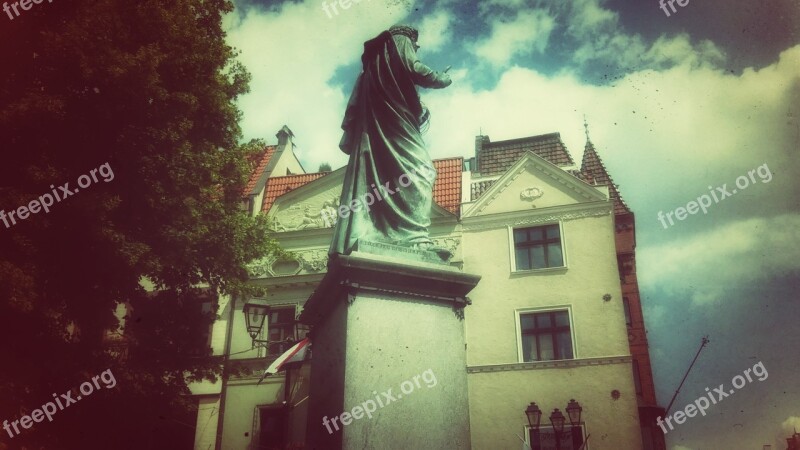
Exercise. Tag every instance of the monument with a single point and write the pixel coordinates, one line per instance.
(390, 306)
(382, 127)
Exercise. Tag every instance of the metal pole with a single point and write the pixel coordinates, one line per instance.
(224, 389)
(702, 344)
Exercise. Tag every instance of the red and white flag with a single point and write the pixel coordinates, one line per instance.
(296, 354)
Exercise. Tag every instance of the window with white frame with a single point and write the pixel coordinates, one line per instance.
(545, 335)
(280, 329)
(538, 247)
(572, 438)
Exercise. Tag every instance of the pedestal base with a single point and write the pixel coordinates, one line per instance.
(388, 352)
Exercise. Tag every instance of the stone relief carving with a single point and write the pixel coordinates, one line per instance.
(261, 268)
(450, 243)
(306, 215)
(530, 194)
(314, 260)
(308, 261)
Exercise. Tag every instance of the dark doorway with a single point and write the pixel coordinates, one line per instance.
(272, 435)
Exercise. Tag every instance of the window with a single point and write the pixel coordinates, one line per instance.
(538, 247)
(545, 438)
(627, 305)
(545, 336)
(280, 329)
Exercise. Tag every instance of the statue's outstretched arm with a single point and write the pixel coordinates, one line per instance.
(429, 78)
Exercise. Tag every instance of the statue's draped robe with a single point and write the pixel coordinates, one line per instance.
(382, 136)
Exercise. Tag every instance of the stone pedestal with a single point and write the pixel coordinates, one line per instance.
(388, 335)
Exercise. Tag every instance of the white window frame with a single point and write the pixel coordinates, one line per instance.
(263, 350)
(545, 417)
(518, 329)
(513, 251)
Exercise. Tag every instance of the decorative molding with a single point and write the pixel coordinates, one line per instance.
(563, 363)
(530, 194)
(549, 174)
(314, 260)
(261, 268)
(529, 219)
(450, 243)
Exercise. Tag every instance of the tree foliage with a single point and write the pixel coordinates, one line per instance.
(148, 87)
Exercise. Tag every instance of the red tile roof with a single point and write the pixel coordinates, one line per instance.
(593, 171)
(258, 163)
(446, 189)
(277, 186)
(496, 157)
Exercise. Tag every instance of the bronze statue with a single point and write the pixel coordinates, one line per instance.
(388, 186)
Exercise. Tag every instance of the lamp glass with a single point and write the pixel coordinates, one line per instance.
(534, 415)
(557, 420)
(574, 411)
(254, 315)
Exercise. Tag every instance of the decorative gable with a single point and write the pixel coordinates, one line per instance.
(534, 183)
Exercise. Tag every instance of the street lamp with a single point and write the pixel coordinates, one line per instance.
(534, 415)
(557, 420)
(255, 314)
(574, 411)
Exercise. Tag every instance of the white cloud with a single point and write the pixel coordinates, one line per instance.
(733, 255)
(588, 17)
(604, 39)
(676, 131)
(292, 52)
(435, 31)
(530, 30)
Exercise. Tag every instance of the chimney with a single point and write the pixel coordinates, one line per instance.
(285, 136)
(480, 140)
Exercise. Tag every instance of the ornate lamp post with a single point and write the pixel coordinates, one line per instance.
(255, 314)
(557, 420)
(574, 410)
(534, 415)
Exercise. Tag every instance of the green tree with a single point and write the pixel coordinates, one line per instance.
(148, 88)
(324, 167)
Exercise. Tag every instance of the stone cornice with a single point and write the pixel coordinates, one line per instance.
(544, 215)
(564, 363)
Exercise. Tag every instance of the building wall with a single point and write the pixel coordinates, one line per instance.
(206, 427)
(497, 401)
(242, 398)
(599, 326)
(500, 386)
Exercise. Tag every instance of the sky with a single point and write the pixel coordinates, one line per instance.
(678, 107)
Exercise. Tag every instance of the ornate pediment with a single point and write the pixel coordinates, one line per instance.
(532, 183)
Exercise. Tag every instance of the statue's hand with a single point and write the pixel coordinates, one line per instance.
(445, 79)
